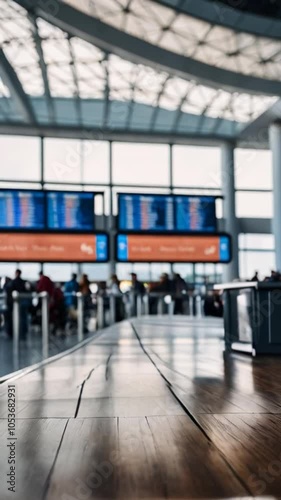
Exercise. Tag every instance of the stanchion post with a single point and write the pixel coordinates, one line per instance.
(100, 312)
(160, 306)
(199, 306)
(146, 304)
(16, 321)
(45, 323)
(139, 305)
(171, 306)
(80, 316)
(132, 311)
(190, 304)
(112, 305)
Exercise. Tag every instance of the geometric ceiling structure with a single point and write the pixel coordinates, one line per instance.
(133, 68)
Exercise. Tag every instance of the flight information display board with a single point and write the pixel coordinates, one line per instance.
(70, 211)
(36, 247)
(195, 214)
(22, 210)
(146, 212)
(173, 248)
(167, 213)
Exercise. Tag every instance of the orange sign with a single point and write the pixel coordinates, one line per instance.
(171, 248)
(17, 247)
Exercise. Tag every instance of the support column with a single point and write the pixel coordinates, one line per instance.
(111, 218)
(231, 271)
(275, 146)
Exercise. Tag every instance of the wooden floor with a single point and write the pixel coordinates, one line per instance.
(149, 409)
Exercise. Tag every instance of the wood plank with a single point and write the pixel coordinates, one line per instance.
(252, 446)
(48, 408)
(36, 448)
(129, 407)
(191, 465)
(173, 460)
(87, 472)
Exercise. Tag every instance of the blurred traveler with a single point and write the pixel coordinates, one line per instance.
(164, 286)
(275, 276)
(136, 289)
(18, 285)
(45, 284)
(85, 289)
(71, 288)
(179, 289)
(137, 286)
(58, 317)
(84, 285)
(114, 289)
(256, 276)
(213, 305)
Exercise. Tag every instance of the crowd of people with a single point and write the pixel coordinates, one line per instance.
(275, 277)
(63, 305)
(62, 301)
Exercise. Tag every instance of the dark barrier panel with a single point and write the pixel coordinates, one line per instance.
(252, 317)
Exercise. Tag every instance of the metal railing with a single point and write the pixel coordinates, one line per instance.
(103, 307)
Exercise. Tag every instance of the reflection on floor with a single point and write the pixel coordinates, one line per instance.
(30, 351)
(151, 409)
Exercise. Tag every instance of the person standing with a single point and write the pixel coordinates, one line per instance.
(114, 289)
(84, 287)
(179, 288)
(71, 288)
(255, 277)
(18, 285)
(137, 289)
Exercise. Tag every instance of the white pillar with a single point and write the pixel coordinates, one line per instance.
(231, 271)
(275, 145)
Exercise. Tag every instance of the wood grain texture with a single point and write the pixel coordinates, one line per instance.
(36, 448)
(151, 412)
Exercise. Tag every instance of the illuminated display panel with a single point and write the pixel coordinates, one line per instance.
(70, 211)
(34, 247)
(56, 211)
(22, 210)
(167, 213)
(173, 248)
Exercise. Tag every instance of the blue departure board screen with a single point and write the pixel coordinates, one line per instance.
(163, 213)
(22, 210)
(195, 214)
(70, 211)
(146, 213)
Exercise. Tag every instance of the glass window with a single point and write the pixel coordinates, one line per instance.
(63, 187)
(196, 166)
(59, 272)
(158, 269)
(141, 164)
(253, 169)
(8, 269)
(142, 271)
(123, 271)
(20, 158)
(20, 185)
(30, 272)
(62, 160)
(256, 241)
(185, 270)
(250, 262)
(199, 273)
(95, 162)
(254, 204)
(96, 272)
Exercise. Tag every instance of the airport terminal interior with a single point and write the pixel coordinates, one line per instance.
(140, 249)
